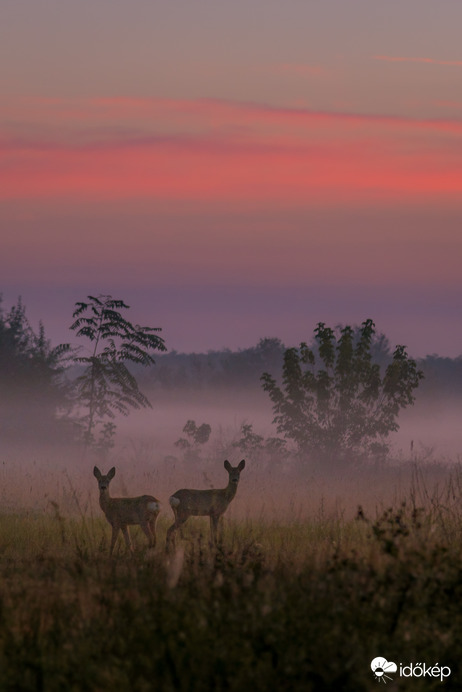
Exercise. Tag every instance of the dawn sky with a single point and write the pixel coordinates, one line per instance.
(235, 170)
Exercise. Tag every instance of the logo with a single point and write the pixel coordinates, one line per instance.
(381, 669)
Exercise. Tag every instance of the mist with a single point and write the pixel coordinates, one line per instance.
(41, 468)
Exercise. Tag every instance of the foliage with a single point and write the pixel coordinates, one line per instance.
(276, 607)
(255, 446)
(31, 375)
(107, 386)
(240, 370)
(250, 441)
(196, 435)
(339, 406)
(216, 369)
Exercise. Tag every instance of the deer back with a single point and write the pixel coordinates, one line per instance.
(130, 510)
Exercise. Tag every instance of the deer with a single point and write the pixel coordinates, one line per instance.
(204, 503)
(122, 512)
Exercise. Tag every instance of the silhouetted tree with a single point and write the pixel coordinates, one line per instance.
(196, 435)
(32, 388)
(107, 386)
(255, 446)
(228, 369)
(335, 403)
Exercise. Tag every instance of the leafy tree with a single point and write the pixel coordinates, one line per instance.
(250, 441)
(106, 386)
(335, 403)
(32, 387)
(196, 435)
(255, 446)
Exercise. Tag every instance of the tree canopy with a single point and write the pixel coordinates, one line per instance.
(336, 403)
(106, 385)
(31, 376)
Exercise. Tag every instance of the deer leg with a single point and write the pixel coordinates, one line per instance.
(214, 528)
(115, 533)
(152, 526)
(179, 521)
(126, 535)
(148, 531)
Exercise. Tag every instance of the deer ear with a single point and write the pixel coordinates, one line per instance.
(111, 473)
(227, 465)
(241, 465)
(97, 473)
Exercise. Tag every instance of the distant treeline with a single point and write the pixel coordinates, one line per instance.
(442, 377)
(37, 381)
(214, 369)
(242, 369)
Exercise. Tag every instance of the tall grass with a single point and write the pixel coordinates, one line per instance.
(303, 604)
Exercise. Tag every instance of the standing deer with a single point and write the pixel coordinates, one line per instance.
(205, 503)
(124, 511)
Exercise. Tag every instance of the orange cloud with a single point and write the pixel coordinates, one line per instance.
(213, 150)
(100, 116)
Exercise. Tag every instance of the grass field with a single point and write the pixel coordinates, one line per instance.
(280, 605)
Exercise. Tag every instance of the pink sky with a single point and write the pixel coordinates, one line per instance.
(234, 175)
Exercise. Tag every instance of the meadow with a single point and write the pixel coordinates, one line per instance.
(303, 599)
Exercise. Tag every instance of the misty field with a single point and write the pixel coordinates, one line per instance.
(299, 601)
